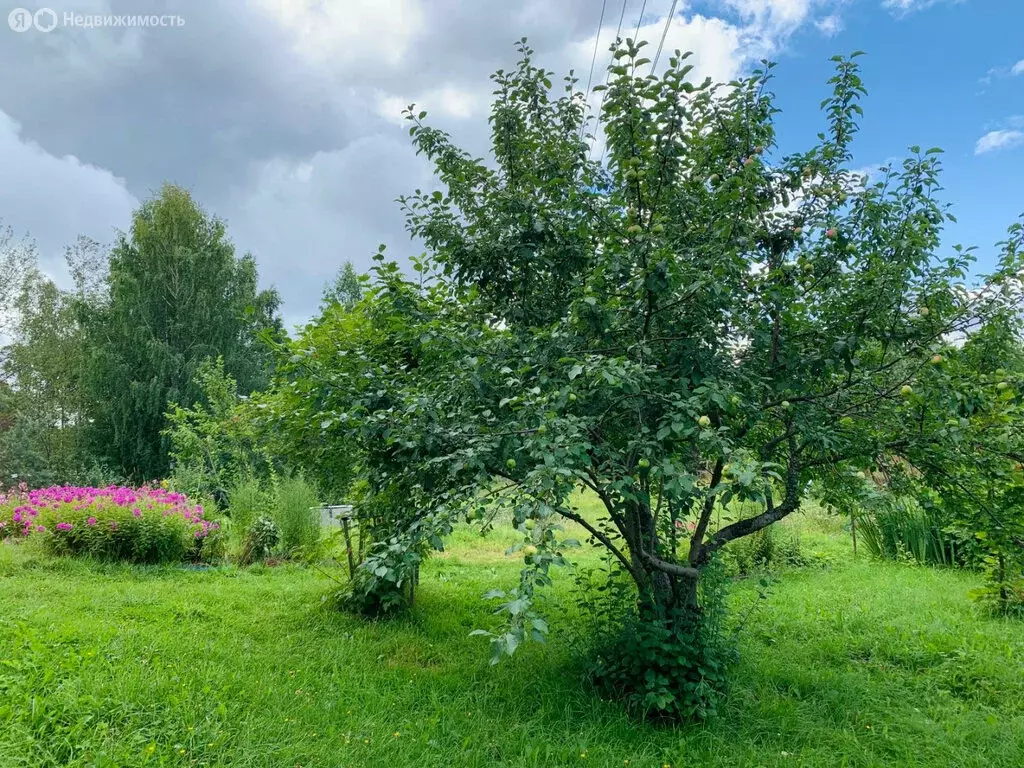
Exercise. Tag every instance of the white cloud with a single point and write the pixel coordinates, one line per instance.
(906, 7)
(994, 141)
(830, 26)
(1018, 68)
(374, 32)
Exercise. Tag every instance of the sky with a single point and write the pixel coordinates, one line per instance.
(283, 117)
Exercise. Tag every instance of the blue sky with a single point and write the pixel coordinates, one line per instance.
(941, 76)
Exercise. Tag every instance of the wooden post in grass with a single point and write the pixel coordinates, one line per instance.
(853, 530)
(343, 514)
(348, 548)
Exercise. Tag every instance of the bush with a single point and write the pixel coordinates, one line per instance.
(260, 541)
(672, 666)
(768, 549)
(295, 501)
(144, 525)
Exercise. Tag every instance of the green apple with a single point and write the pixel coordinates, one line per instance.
(704, 421)
(906, 390)
(529, 550)
(511, 463)
(572, 397)
(530, 524)
(1002, 385)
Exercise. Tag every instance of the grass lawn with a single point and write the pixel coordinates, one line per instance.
(856, 664)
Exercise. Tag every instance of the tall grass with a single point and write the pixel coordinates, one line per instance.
(295, 514)
(902, 529)
(247, 502)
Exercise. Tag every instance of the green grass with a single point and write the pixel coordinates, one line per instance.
(858, 664)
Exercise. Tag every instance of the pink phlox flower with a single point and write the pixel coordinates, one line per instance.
(91, 521)
(64, 526)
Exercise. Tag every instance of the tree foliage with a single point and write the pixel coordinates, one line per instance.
(698, 321)
(176, 295)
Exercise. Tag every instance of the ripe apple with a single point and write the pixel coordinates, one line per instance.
(748, 161)
(830, 233)
(936, 359)
(798, 231)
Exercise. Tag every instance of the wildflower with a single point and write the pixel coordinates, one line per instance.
(40, 529)
(136, 512)
(91, 521)
(64, 526)
(17, 517)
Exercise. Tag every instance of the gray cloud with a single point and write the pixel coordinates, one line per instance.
(282, 115)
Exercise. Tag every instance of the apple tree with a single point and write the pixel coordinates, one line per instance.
(696, 320)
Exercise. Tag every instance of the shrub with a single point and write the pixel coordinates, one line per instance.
(260, 541)
(144, 525)
(766, 550)
(295, 514)
(672, 666)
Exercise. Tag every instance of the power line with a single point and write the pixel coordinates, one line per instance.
(639, 20)
(636, 33)
(593, 60)
(608, 74)
(664, 34)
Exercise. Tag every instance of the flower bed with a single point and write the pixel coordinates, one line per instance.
(138, 525)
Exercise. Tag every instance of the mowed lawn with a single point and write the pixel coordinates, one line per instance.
(854, 664)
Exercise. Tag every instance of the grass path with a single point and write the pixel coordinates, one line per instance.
(860, 664)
